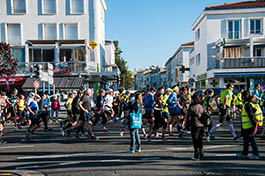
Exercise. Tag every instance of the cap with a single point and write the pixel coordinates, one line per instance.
(169, 90)
(32, 94)
(175, 88)
(74, 92)
(37, 96)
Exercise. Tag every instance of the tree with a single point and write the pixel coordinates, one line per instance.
(8, 64)
(126, 79)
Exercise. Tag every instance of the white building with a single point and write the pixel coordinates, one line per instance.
(229, 45)
(58, 32)
(177, 64)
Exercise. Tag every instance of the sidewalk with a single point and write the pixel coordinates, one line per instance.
(20, 173)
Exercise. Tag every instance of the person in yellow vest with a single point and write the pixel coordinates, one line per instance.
(239, 100)
(249, 116)
(225, 109)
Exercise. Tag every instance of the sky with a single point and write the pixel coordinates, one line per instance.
(150, 31)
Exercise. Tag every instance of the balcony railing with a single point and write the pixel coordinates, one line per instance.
(62, 67)
(255, 62)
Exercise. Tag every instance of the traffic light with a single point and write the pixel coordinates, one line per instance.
(38, 70)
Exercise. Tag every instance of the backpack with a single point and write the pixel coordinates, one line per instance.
(205, 119)
(55, 105)
(173, 108)
(148, 101)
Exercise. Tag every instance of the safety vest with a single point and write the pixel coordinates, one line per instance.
(261, 101)
(258, 114)
(69, 105)
(239, 97)
(246, 123)
(222, 96)
(164, 100)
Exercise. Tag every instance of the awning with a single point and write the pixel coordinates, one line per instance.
(60, 83)
(236, 75)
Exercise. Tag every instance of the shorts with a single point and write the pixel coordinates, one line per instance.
(108, 112)
(225, 114)
(165, 115)
(148, 115)
(69, 112)
(12, 111)
(76, 115)
(35, 121)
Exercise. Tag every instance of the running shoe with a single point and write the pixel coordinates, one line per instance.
(240, 155)
(139, 150)
(164, 139)
(105, 129)
(122, 133)
(94, 138)
(253, 157)
(2, 142)
(62, 131)
(130, 151)
(208, 136)
(237, 138)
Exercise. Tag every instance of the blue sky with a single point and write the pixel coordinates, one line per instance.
(150, 31)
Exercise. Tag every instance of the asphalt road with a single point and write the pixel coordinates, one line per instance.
(54, 155)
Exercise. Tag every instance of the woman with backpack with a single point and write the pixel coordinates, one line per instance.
(55, 106)
(135, 122)
(194, 119)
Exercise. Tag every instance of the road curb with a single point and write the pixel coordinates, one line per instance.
(20, 173)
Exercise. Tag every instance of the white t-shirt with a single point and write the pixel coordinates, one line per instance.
(108, 102)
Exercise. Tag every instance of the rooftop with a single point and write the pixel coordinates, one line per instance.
(238, 5)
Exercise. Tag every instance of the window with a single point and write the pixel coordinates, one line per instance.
(71, 32)
(197, 35)
(255, 26)
(198, 59)
(19, 54)
(49, 6)
(18, 6)
(50, 32)
(234, 29)
(41, 55)
(77, 6)
(13, 34)
(192, 61)
(257, 52)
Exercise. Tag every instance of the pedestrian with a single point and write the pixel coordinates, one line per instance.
(197, 128)
(135, 123)
(249, 124)
(55, 107)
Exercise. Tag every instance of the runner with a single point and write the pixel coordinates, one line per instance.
(174, 109)
(86, 103)
(33, 115)
(226, 98)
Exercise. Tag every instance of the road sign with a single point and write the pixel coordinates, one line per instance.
(93, 44)
(36, 84)
(191, 80)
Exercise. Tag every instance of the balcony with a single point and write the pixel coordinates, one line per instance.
(62, 68)
(247, 62)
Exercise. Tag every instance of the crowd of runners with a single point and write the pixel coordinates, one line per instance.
(177, 111)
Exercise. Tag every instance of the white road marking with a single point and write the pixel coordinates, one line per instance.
(27, 167)
(117, 160)
(225, 154)
(116, 152)
(19, 146)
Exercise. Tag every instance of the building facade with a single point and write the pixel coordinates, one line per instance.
(229, 46)
(177, 66)
(58, 32)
